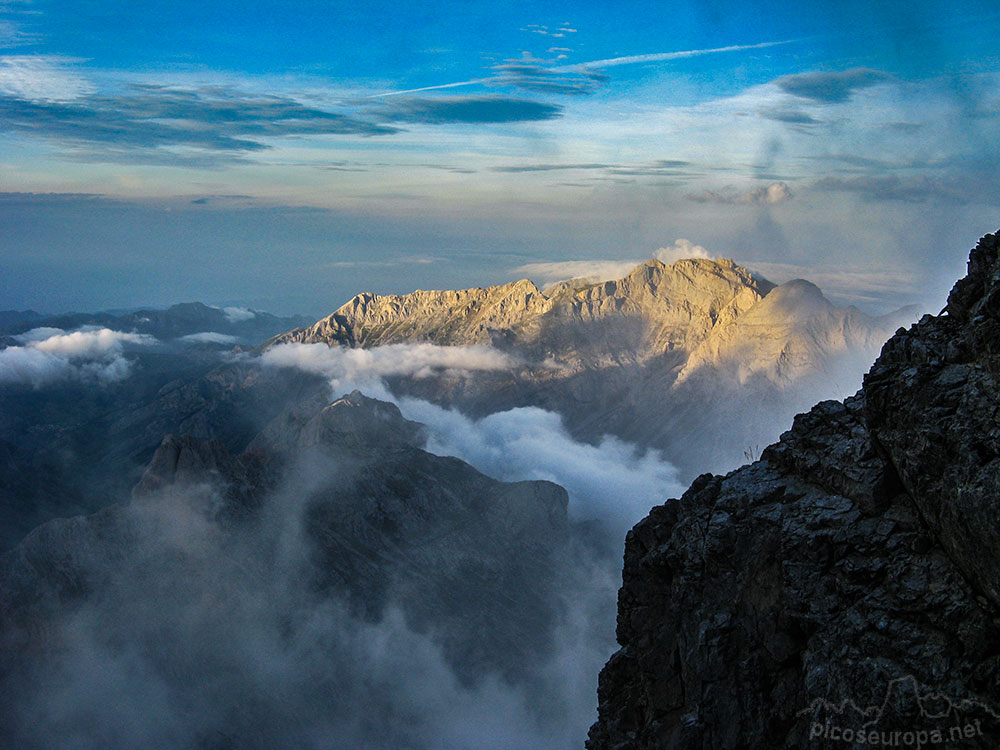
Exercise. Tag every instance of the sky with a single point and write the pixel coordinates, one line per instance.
(287, 155)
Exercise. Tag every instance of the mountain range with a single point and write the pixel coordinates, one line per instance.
(666, 354)
(294, 566)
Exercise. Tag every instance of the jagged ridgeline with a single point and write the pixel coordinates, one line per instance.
(844, 590)
(700, 358)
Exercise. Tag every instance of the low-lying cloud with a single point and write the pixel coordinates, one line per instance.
(467, 109)
(590, 270)
(238, 314)
(349, 368)
(50, 355)
(209, 337)
(611, 481)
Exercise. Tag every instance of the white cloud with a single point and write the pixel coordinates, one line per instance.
(681, 250)
(50, 355)
(596, 271)
(39, 334)
(591, 270)
(238, 314)
(209, 337)
(611, 481)
(88, 344)
(666, 56)
(41, 78)
(347, 368)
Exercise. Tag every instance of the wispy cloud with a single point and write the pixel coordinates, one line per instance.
(353, 368)
(580, 69)
(765, 195)
(594, 271)
(589, 270)
(45, 78)
(532, 76)
(788, 115)
(659, 167)
(679, 55)
(557, 32)
(468, 109)
(851, 284)
(146, 122)
(911, 188)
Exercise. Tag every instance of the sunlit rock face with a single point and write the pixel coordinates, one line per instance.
(847, 582)
(700, 358)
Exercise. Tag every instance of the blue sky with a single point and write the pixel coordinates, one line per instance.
(289, 154)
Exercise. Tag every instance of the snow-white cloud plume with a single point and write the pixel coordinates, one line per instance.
(681, 250)
(611, 481)
(50, 355)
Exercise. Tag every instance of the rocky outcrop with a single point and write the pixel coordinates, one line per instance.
(844, 584)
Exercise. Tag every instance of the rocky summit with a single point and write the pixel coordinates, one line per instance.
(844, 590)
(663, 357)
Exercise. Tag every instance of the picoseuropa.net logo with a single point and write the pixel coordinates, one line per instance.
(907, 717)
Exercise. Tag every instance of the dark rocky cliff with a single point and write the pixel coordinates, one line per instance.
(848, 582)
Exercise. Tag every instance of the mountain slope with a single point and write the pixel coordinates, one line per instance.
(847, 581)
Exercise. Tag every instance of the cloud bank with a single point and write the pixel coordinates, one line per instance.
(209, 337)
(831, 87)
(363, 368)
(611, 481)
(51, 355)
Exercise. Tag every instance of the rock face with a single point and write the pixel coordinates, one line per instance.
(668, 350)
(848, 580)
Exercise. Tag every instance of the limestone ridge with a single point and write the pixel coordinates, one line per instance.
(668, 350)
(671, 298)
(860, 554)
